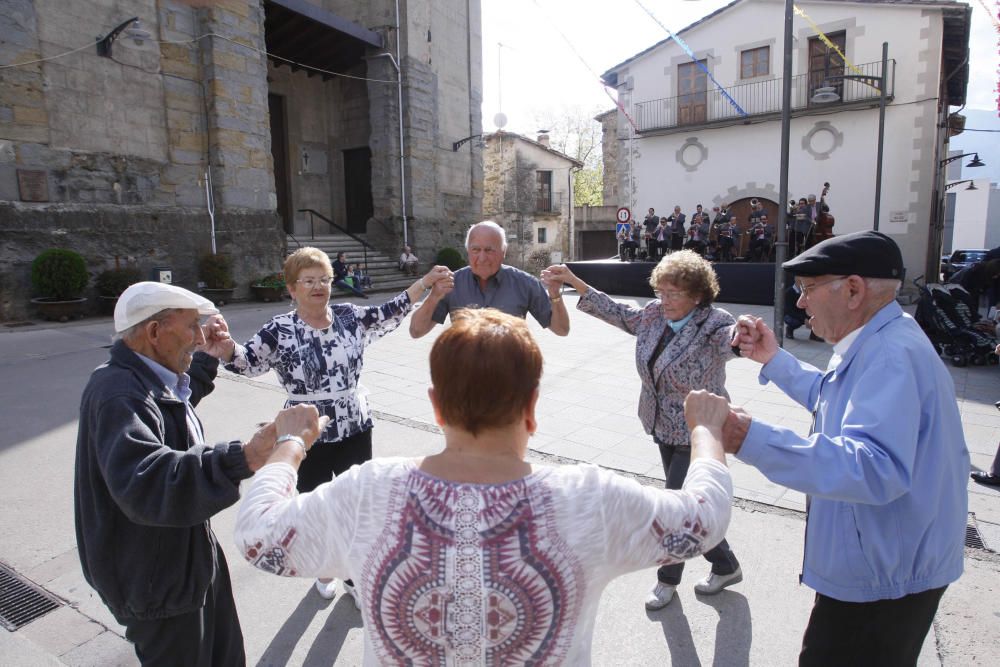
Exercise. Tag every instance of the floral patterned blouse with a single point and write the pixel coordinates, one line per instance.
(323, 366)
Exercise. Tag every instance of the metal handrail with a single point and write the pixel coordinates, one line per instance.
(759, 98)
(312, 230)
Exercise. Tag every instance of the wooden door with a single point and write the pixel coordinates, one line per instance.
(825, 64)
(740, 210)
(692, 94)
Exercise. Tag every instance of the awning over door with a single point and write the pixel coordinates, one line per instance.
(301, 32)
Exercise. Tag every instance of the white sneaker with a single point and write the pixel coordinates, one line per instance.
(326, 589)
(714, 583)
(349, 589)
(660, 596)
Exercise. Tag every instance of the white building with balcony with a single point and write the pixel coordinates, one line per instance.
(683, 143)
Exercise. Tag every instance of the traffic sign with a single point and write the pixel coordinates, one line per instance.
(624, 215)
(622, 227)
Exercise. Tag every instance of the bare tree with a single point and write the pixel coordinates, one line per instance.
(574, 132)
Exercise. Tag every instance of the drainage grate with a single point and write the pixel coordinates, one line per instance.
(973, 538)
(21, 601)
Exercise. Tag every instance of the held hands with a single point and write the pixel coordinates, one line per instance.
(218, 342)
(703, 408)
(440, 280)
(755, 340)
(302, 420)
(557, 274)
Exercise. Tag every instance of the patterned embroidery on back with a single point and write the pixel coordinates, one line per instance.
(471, 575)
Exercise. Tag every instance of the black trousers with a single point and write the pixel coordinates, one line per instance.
(884, 633)
(327, 459)
(676, 461)
(208, 637)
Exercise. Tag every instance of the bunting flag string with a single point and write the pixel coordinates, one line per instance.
(687, 49)
(996, 23)
(621, 107)
(826, 40)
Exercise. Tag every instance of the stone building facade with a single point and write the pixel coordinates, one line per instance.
(528, 190)
(277, 105)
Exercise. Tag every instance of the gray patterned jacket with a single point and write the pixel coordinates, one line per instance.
(694, 358)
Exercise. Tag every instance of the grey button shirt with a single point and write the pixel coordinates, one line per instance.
(510, 290)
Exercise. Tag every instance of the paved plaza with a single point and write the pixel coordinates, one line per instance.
(587, 412)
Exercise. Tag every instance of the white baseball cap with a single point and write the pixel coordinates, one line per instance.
(143, 300)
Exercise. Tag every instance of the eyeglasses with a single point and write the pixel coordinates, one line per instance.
(309, 283)
(807, 289)
(670, 296)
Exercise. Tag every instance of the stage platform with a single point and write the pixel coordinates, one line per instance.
(739, 282)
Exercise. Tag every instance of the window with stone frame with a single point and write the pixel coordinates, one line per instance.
(543, 191)
(542, 235)
(755, 62)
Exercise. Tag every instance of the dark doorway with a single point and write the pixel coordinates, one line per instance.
(358, 188)
(279, 156)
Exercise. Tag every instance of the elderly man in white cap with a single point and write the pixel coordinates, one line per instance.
(147, 482)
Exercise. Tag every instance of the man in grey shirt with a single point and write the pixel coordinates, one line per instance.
(488, 283)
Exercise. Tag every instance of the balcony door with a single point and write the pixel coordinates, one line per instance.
(692, 94)
(825, 65)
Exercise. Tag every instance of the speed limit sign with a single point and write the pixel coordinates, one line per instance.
(624, 215)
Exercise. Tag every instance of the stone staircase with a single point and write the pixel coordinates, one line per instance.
(383, 269)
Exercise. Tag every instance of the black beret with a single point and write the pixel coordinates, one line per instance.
(867, 254)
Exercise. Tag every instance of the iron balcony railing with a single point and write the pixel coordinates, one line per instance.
(761, 98)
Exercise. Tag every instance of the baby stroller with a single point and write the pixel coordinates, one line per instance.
(945, 315)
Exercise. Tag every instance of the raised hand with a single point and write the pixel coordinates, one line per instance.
(557, 274)
(755, 339)
(703, 408)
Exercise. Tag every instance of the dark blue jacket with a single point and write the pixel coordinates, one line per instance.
(144, 491)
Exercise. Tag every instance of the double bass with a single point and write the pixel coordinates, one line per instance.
(824, 219)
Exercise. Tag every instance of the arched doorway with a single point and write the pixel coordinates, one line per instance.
(740, 210)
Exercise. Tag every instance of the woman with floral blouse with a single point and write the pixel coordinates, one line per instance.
(317, 351)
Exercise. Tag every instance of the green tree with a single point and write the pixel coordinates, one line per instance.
(573, 131)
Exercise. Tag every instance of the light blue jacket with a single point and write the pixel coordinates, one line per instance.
(886, 466)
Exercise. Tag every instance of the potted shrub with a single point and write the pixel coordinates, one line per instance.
(451, 258)
(111, 283)
(216, 272)
(269, 288)
(59, 276)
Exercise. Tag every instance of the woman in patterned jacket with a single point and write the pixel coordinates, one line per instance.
(317, 351)
(474, 556)
(682, 343)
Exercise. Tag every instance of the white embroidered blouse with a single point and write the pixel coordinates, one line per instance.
(454, 573)
(323, 366)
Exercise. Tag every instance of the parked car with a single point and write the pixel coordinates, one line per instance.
(960, 259)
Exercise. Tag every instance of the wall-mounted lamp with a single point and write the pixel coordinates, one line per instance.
(461, 142)
(975, 162)
(134, 30)
(972, 184)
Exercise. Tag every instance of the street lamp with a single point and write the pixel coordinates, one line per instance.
(972, 184)
(134, 30)
(974, 162)
(829, 94)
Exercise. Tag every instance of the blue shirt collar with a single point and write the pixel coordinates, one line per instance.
(677, 325)
(179, 384)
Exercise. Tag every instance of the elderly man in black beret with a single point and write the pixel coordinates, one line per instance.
(884, 464)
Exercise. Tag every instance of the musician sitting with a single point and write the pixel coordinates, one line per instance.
(801, 227)
(628, 243)
(725, 235)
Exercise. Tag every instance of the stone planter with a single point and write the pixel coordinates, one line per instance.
(267, 294)
(218, 296)
(106, 304)
(58, 310)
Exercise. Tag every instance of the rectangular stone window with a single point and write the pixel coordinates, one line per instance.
(543, 191)
(541, 235)
(755, 62)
